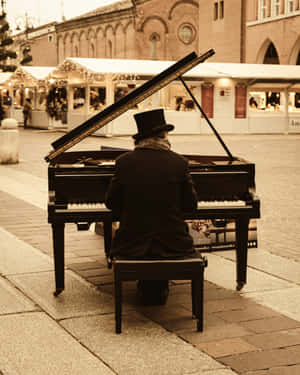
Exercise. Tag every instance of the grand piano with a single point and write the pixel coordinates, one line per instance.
(78, 180)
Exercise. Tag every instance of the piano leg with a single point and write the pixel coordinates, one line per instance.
(241, 251)
(58, 233)
(107, 225)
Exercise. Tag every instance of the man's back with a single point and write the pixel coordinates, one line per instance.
(150, 191)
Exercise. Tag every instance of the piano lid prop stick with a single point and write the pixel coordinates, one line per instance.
(207, 119)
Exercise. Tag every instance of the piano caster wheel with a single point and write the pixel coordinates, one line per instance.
(239, 285)
(57, 292)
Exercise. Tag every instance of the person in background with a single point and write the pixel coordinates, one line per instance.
(6, 104)
(149, 192)
(27, 112)
(179, 104)
(2, 112)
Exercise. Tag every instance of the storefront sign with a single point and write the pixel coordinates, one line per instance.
(240, 102)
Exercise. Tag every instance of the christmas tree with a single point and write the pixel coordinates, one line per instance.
(6, 42)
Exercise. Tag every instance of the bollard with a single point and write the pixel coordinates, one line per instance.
(9, 141)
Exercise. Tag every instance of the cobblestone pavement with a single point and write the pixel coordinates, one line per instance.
(247, 333)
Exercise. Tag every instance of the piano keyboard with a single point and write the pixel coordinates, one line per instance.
(234, 203)
(200, 204)
(86, 206)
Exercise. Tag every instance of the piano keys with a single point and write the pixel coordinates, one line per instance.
(78, 181)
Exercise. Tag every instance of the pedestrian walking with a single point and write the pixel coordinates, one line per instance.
(27, 112)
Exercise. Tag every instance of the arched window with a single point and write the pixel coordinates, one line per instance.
(109, 49)
(92, 50)
(271, 56)
(298, 59)
(154, 39)
(76, 51)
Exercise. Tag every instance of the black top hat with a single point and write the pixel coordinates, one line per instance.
(150, 123)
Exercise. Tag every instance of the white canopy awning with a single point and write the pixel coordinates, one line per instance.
(31, 74)
(149, 68)
(129, 67)
(259, 71)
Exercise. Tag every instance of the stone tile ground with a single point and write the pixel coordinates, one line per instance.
(239, 333)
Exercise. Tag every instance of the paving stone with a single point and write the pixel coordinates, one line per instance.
(13, 250)
(287, 370)
(100, 280)
(252, 312)
(270, 324)
(263, 359)
(149, 348)
(227, 347)
(256, 280)
(228, 304)
(275, 265)
(214, 330)
(286, 301)
(96, 272)
(79, 297)
(33, 344)
(274, 340)
(13, 301)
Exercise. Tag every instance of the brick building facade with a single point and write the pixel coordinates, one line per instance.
(240, 31)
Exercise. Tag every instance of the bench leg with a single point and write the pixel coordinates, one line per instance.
(118, 304)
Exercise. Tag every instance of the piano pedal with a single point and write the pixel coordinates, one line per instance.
(83, 226)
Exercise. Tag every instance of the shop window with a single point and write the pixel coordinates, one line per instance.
(97, 98)
(266, 101)
(294, 102)
(78, 98)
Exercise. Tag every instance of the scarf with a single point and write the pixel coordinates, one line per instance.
(155, 143)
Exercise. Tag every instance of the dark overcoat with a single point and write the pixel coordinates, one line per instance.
(149, 193)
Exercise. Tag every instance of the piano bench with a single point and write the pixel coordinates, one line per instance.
(183, 269)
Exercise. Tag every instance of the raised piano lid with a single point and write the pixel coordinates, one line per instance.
(116, 109)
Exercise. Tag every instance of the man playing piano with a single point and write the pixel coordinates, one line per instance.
(149, 193)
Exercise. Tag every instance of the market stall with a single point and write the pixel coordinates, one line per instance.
(272, 94)
(238, 98)
(93, 84)
(29, 82)
(5, 94)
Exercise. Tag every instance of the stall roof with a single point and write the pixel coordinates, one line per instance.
(260, 72)
(132, 67)
(4, 77)
(37, 72)
(31, 74)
